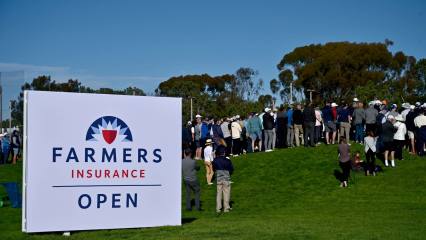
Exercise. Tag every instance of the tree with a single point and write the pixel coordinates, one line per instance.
(245, 85)
(335, 70)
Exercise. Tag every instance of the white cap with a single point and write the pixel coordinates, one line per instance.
(418, 104)
(424, 105)
(405, 105)
(334, 105)
(412, 107)
(356, 100)
(198, 116)
(267, 109)
(237, 117)
(189, 122)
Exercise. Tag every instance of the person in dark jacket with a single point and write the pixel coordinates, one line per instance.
(388, 131)
(411, 129)
(223, 168)
(309, 125)
(268, 125)
(190, 179)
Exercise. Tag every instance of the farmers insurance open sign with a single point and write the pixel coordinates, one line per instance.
(100, 161)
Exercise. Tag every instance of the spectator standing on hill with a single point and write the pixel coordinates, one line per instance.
(309, 125)
(268, 125)
(399, 136)
(236, 137)
(370, 117)
(208, 159)
(281, 123)
(290, 128)
(370, 143)
(318, 125)
(420, 123)
(298, 125)
(226, 135)
(223, 168)
(411, 129)
(189, 172)
(344, 119)
(359, 118)
(197, 137)
(388, 131)
(329, 124)
(344, 161)
(255, 131)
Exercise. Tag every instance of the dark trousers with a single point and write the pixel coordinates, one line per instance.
(420, 141)
(192, 186)
(309, 133)
(359, 134)
(317, 134)
(370, 158)
(399, 144)
(228, 142)
(236, 146)
(346, 169)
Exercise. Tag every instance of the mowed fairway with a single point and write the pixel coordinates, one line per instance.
(285, 194)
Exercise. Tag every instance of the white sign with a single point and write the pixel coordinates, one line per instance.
(100, 161)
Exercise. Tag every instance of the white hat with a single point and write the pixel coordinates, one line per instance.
(418, 104)
(208, 141)
(334, 105)
(378, 102)
(391, 117)
(198, 116)
(394, 106)
(412, 107)
(237, 117)
(267, 109)
(356, 100)
(189, 122)
(424, 105)
(399, 118)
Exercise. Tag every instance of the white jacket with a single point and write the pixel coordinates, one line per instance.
(370, 143)
(400, 133)
(236, 130)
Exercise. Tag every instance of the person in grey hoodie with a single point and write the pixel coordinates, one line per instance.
(370, 118)
(190, 179)
(359, 118)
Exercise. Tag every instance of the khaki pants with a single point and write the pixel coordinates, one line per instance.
(223, 191)
(298, 133)
(345, 128)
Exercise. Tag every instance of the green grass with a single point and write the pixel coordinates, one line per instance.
(285, 194)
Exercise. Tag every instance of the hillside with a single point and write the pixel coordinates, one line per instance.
(286, 194)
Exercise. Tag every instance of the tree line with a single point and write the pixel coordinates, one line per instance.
(332, 71)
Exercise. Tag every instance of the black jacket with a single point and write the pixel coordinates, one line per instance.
(268, 121)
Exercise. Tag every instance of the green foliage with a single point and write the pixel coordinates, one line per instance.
(45, 83)
(335, 70)
(219, 96)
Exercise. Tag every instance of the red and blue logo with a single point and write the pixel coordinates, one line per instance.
(109, 129)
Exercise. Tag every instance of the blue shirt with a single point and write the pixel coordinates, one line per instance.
(290, 117)
(343, 115)
(326, 114)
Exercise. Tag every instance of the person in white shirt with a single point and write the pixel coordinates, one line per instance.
(370, 153)
(236, 135)
(399, 136)
(208, 159)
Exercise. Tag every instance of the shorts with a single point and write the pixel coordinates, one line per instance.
(410, 134)
(197, 143)
(256, 135)
(388, 146)
(330, 127)
(15, 151)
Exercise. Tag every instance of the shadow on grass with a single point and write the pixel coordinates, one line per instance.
(188, 220)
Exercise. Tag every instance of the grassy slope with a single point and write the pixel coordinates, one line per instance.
(288, 194)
